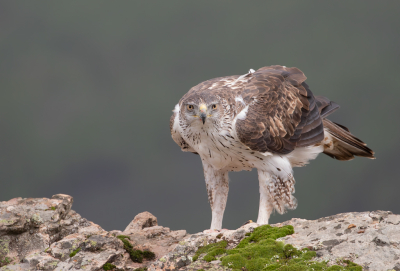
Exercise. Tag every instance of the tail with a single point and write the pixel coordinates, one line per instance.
(342, 144)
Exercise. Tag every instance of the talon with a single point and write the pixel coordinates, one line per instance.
(248, 222)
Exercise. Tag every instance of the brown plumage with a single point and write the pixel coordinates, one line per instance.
(266, 119)
(282, 112)
(345, 145)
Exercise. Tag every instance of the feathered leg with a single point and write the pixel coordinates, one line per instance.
(265, 208)
(276, 189)
(217, 183)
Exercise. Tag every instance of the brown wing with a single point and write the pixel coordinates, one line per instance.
(282, 112)
(326, 106)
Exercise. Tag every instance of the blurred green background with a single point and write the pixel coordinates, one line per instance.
(87, 89)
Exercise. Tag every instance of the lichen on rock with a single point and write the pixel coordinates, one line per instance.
(45, 234)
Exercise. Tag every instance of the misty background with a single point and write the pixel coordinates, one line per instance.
(87, 89)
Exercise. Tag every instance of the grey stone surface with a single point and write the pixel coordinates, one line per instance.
(45, 234)
(30, 225)
(40, 234)
(181, 257)
(141, 221)
(370, 239)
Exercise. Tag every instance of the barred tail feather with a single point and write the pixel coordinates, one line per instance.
(345, 145)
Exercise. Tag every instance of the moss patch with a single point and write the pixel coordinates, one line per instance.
(261, 251)
(73, 253)
(136, 255)
(4, 261)
(108, 266)
(212, 250)
(4, 246)
(123, 237)
(4, 250)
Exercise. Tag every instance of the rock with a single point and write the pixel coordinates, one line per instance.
(370, 239)
(42, 234)
(45, 234)
(141, 221)
(181, 257)
(30, 225)
(393, 219)
(157, 239)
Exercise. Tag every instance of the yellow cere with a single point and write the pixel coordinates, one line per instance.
(203, 107)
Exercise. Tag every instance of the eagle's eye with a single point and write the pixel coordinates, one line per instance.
(190, 107)
(214, 106)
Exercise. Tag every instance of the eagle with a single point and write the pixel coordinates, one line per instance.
(266, 119)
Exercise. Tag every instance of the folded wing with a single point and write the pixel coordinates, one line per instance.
(282, 112)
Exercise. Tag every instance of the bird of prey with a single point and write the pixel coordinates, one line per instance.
(266, 119)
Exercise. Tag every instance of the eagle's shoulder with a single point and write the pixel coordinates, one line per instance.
(280, 112)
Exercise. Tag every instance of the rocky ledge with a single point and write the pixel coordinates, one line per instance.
(45, 234)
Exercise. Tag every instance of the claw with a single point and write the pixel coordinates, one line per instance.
(248, 222)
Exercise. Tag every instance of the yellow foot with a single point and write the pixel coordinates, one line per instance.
(248, 222)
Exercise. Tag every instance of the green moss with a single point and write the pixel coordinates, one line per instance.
(4, 250)
(212, 250)
(261, 251)
(136, 255)
(141, 269)
(350, 263)
(148, 255)
(73, 253)
(108, 266)
(5, 261)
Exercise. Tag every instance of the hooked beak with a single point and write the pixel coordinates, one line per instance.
(203, 110)
(203, 117)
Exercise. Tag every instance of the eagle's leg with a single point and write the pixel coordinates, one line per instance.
(276, 189)
(265, 208)
(217, 183)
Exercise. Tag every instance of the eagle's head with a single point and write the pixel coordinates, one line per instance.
(201, 111)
